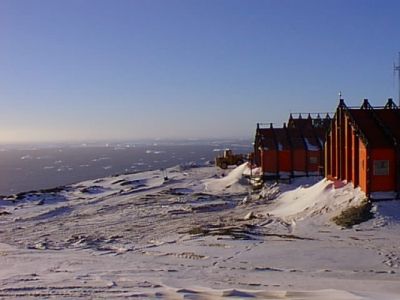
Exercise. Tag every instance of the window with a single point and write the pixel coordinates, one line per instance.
(381, 167)
(313, 160)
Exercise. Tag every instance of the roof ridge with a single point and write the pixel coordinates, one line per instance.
(344, 107)
(388, 133)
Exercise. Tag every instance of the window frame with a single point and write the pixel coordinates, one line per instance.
(381, 167)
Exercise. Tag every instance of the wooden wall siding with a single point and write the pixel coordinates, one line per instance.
(355, 138)
(294, 150)
(314, 161)
(355, 153)
(362, 162)
(348, 147)
(328, 155)
(269, 161)
(334, 157)
(359, 138)
(299, 161)
(342, 145)
(384, 183)
(285, 161)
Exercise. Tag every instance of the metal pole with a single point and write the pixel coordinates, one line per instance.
(397, 69)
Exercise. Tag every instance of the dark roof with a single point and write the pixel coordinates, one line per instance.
(300, 133)
(296, 138)
(311, 141)
(273, 138)
(320, 133)
(323, 123)
(282, 139)
(265, 138)
(300, 123)
(391, 120)
(366, 123)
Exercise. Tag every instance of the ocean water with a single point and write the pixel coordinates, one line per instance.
(26, 168)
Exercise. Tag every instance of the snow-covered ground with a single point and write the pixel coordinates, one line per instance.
(197, 235)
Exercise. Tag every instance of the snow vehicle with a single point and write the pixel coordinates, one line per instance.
(228, 159)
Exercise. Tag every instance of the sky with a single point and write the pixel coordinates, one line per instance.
(82, 70)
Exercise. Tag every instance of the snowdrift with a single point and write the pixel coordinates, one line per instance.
(140, 236)
(325, 199)
(233, 182)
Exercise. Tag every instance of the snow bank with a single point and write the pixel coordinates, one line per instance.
(325, 198)
(134, 236)
(252, 172)
(233, 182)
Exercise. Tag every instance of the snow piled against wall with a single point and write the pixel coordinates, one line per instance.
(325, 198)
(233, 182)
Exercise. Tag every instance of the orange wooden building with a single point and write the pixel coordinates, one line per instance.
(294, 150)
(363, 147)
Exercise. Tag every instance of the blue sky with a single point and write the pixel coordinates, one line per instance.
(92, 69)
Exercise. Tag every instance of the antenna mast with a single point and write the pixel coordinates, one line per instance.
(397, 69)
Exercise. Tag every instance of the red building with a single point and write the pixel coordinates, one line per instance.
(294, 150)
(362, 147)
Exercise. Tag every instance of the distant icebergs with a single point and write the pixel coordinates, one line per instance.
(124, 146)
(101, 158)
(43, 157)
(26, 157)
(154, 152)
(219, 149)
(64, 168)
